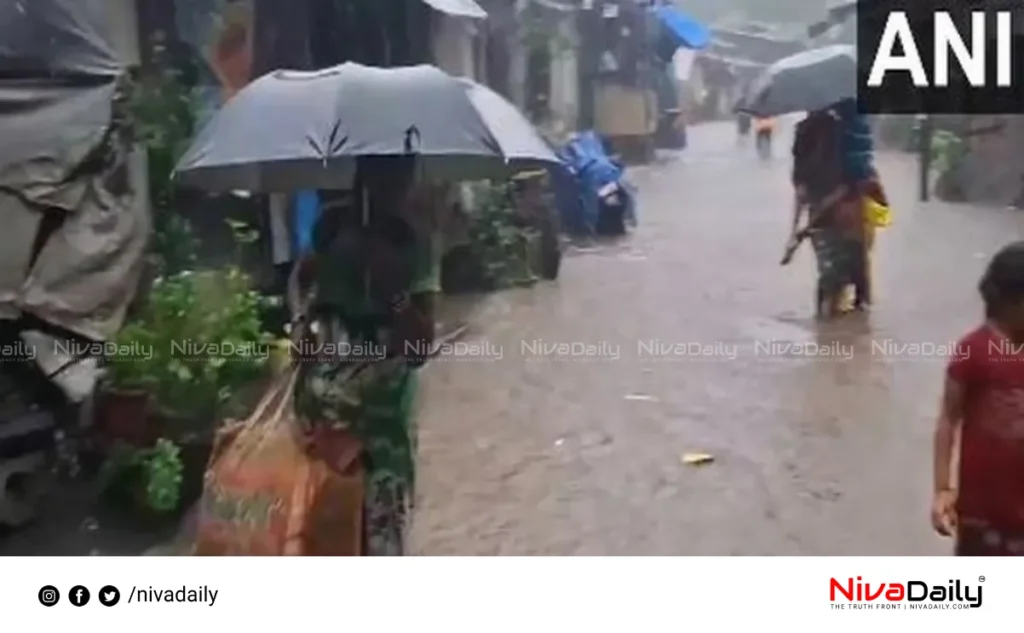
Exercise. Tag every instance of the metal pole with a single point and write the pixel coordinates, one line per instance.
(925, 157)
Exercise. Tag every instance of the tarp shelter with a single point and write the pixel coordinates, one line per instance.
(459, 8)
(846, 10)
(74, 235)
(56, 37)
(683, 29)
(752, 47)
(678, 30)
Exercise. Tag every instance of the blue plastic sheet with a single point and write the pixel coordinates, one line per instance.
(307, 212)
(685, 30)
(858, 145)
(586, 169)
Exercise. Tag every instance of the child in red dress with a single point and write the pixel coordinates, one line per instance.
(983, 408)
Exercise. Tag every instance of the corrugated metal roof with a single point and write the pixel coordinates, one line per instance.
(459, 8)
(563, 6)
(753, 47)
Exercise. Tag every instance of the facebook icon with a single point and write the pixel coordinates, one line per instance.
(79, 596)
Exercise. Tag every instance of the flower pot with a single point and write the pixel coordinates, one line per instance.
(125, 496)
(195, 455)
(194, 436)
(122, 416)
(125, 506)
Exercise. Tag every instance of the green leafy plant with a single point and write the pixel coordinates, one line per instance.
(497, 238)
(948, 151)
(159, 114)
(244, 235)
(136, 369)
(204, 338)
(163, 475)
(151, 478)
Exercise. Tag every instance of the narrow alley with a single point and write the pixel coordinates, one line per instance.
(549, 451)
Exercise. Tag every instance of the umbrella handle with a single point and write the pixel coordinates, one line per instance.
(412, 132)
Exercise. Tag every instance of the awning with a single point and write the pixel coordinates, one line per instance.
(847, 9)
(459, 8)
(836, 15)
(43, 37)
(684, 30)
(737, 62)
(561, 6)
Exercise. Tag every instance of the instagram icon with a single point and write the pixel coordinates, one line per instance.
(49, 596)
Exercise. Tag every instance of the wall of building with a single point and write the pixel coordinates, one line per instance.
(564, 89)
(124, 30)
(453, 41)
(994, 169)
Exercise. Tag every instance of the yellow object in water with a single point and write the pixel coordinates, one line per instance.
(696, 459)
(877, 214)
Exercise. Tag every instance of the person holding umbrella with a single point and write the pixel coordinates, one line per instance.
(834, 223)
(834, 174)
(369, 281)
(376, 281)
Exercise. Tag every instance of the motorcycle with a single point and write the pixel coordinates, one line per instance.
(612, 211)
(594, 197)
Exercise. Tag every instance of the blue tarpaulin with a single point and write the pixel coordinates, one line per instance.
(307, 212)
(684, 30)
(584, 171)
(858, 144)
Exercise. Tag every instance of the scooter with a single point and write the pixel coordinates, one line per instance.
(613, 210)
(596, 198)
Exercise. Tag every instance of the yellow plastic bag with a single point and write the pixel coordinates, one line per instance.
(877, 214)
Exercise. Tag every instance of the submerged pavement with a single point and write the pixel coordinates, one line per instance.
(562, 423)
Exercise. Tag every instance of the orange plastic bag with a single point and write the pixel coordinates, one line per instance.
(270, 492)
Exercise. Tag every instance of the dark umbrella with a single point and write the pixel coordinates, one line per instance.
(811, 80)
(292, 130)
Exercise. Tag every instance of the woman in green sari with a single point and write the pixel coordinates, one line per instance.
(376, 273)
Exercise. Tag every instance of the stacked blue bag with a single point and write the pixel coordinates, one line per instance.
(858, 145)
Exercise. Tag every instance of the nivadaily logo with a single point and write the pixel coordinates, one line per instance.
(910, 594)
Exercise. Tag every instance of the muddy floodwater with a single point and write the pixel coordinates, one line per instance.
(670, 394)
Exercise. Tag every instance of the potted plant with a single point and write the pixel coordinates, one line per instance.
(211, 352)
(216, 343)
(145, 483)
(124, 399)
(498, 247)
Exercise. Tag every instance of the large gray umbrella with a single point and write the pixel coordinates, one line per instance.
(294, 130)
(810, 80)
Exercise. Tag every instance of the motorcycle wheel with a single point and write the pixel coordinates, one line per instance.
(611, 220)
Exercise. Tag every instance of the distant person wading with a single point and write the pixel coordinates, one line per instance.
(764, 130)
(743, 122)
(836, 183)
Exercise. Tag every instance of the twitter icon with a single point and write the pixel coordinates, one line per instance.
(109, 596)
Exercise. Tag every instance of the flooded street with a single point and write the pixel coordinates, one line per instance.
(563, 430)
